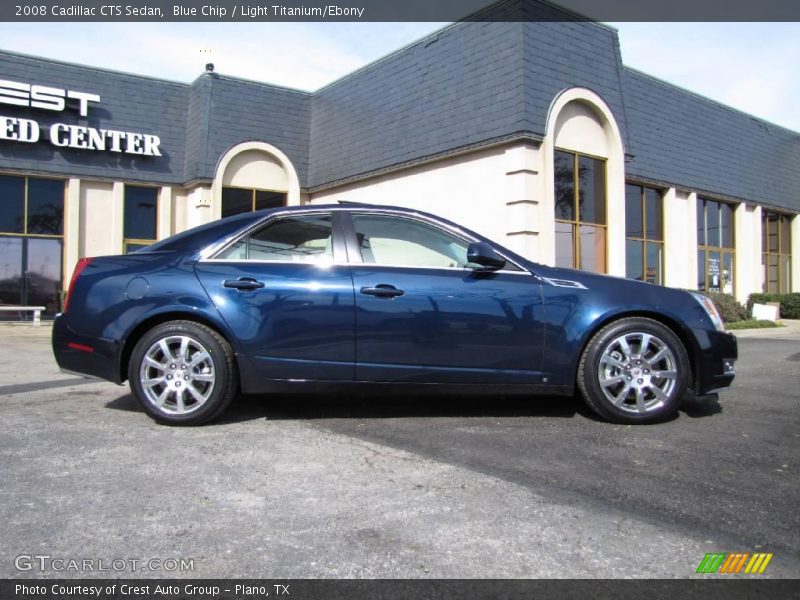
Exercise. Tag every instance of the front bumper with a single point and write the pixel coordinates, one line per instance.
(715, 364)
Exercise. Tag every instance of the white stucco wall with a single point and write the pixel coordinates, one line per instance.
(97, 214)
(472, 190)
(680, 239)
(748, 274)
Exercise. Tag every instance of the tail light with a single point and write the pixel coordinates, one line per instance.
(82, 264)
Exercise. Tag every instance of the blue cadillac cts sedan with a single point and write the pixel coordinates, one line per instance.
(317, 297)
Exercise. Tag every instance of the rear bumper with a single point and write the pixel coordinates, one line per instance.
(716, 361)
(82, 355)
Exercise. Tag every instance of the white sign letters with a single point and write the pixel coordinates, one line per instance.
(64, 135)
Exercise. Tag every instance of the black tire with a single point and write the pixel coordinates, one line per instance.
(628, 386)
(208, 368)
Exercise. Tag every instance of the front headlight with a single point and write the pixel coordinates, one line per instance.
(711, 310)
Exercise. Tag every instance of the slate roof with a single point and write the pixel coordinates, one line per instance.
(458, 87)
(683, 139)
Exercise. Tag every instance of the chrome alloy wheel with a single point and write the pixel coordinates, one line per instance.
(177, 375)
(637, 372)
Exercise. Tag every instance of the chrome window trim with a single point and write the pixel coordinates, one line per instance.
(456, 269)
(208, 253)
(362, 265)
(273, 262)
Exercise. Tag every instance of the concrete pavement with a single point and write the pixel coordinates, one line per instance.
(410, 487)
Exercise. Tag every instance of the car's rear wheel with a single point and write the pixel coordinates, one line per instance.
(634, 370)
(183, 373)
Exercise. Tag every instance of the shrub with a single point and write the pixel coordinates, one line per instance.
(790, 303)
(753, 324)
(729, 309)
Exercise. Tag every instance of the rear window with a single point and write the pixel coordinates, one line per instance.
(305, 238)
(197, 238)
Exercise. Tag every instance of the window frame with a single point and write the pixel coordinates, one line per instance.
(354, 249)
(337, 239)
(248, 241)
(577, 223)
(703, 246)
(356, 258)
(253, 193)
(24, 235)
(126, 241)
(644, 239)
(766, 253)
(25, 212)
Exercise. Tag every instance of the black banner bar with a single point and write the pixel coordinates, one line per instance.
(398, 10)
(455, 589)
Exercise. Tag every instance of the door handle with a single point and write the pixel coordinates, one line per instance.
(243, 284)
(382, 290)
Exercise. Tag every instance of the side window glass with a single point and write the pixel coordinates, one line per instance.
(389, 240)
(302, 239)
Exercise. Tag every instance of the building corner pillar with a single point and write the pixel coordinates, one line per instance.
(747, 264)
(118, 216)
(525, 219)
(165, 226)
(680, 240)
(72, 229)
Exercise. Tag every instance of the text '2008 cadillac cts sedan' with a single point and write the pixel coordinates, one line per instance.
(315, 296)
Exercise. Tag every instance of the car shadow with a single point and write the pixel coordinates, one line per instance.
(366, 406)
(697, 407)
(369, 406)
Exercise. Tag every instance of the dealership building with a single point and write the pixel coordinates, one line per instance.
(533, 133)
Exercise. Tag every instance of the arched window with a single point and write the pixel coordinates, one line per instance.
(585, 156)
(253, 176)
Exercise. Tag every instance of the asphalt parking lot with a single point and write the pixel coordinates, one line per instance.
(300, 487)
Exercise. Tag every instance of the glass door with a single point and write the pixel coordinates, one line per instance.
(30, 274)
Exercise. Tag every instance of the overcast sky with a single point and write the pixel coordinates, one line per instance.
(750, 66)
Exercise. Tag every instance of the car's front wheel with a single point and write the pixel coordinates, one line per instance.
(634, 370)
(183, 373)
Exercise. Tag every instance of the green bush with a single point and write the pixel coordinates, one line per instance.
(753, 324)
(729, 309)
(790, 303)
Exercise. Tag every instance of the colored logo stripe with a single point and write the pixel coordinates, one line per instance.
(734, 562)
(758, 563)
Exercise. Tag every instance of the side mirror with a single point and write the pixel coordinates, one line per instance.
(484, 255)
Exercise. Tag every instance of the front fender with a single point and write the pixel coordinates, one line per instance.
(574, 315)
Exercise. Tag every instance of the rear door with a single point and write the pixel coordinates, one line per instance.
(424, 315)
(286, 293)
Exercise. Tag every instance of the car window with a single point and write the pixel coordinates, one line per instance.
(305, 239)
(389, 240)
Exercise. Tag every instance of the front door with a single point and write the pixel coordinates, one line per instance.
(424, 315)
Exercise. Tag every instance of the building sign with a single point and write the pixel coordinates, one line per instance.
(64, 135)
